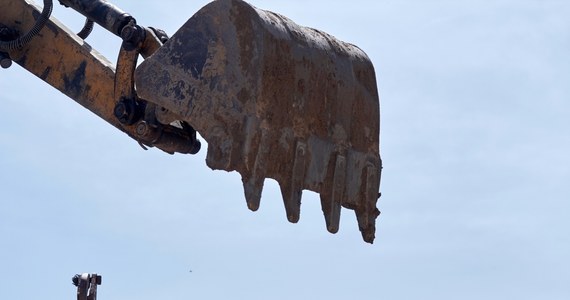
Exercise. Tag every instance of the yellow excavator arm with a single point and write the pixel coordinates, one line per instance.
(272, 99)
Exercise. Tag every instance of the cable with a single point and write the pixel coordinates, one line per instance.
(86, 30)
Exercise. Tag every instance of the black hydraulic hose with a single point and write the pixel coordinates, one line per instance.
(87, 28)
(26, 38)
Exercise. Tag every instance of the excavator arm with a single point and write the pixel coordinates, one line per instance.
(271, 98)
(65, 61)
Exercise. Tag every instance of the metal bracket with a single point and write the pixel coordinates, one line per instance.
(130, 110)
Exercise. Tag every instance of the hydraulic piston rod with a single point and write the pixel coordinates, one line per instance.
(101, 12)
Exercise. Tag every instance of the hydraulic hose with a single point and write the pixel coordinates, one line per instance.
(26, 38)
(87, 28)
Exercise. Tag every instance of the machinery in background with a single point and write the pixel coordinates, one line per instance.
(86, 284)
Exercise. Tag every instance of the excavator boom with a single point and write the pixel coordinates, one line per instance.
(271, 98)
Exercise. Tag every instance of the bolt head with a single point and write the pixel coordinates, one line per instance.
(132, 34)
(5, 63)
(142, 128)
(5, 60)
(120, 110)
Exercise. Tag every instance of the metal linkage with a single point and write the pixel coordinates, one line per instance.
(129, 110)
(86, 284)
(152, 128)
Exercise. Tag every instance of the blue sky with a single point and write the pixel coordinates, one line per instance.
(474, 138)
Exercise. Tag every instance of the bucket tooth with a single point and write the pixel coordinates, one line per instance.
(219, 148)
(331, 212)
(292, 202)
(331, 200)
(292, 189)
(367, 212)
(252, 189)
(253, 184)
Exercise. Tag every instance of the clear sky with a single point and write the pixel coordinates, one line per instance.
(475, 142)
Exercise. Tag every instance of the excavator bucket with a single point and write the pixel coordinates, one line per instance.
(275, 100)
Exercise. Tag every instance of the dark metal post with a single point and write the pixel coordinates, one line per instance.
(86, 285)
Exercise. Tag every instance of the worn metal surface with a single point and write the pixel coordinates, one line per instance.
(275, 100)
(58, 57)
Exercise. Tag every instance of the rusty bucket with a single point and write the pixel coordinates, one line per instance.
(275, 100)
